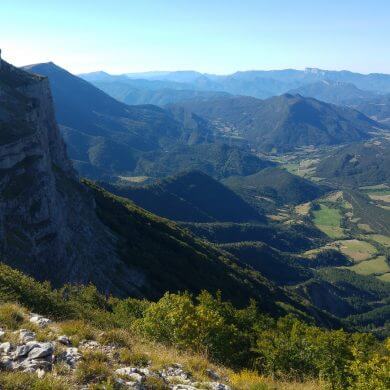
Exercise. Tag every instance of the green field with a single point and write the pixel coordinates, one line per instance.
(373, 266)
(385, 277)
(380, 239)
(357, 250)
(328, 220)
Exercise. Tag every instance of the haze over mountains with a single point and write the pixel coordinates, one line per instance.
(361, 91)
(259, 84)
(107, 138)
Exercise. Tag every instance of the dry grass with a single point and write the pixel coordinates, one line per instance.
(385, 277)
(303, 209)
(94, 368)
(78, 330)
(383, 198)
(162, 356)
(117, 337)
(28, 381)
(251, 380)
(356, 250)
(12, 316)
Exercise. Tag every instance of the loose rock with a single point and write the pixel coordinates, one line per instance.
(39, 320)
(26, 335)
(212, 375)
(5, 348)
(65, 340)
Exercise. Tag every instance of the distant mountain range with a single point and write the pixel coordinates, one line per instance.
(336, 92)
(260, 84)
(284, 122)
(108, 138)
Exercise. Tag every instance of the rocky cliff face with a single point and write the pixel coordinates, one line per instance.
(48, 225)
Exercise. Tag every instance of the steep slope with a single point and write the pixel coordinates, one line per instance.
(360, 164)
(276, 184)
(191, 197)
(281, 268)
(284, 122)
(57, 229)
(335, 92)
(104, 136)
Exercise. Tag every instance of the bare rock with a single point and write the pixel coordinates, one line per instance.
(65, 340)
(26, 335)
(5, 348)
(39, 320)
(6, 363)
(41, 350)
(71, 356)
(212, 375)
(175, 373)
(22, 350)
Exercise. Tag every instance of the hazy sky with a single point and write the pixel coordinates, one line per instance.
(215, 36)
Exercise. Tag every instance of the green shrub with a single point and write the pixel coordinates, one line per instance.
(209, 326)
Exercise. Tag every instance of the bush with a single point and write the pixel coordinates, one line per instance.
(209, 326)
(370, 373)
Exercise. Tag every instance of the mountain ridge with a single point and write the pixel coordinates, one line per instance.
(287, 121)
(190, 196)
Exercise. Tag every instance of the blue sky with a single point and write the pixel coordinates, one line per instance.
(215, 36)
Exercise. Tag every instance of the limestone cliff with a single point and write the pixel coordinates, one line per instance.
(48, 225)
